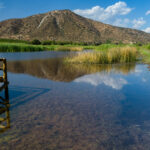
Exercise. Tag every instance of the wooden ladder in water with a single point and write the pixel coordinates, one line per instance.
(4, 102)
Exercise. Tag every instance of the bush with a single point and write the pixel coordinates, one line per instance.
(36, 42)
(47, 43)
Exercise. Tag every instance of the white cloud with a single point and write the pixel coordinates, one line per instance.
(114, 15)
(119, 8)
(108, 14)
(122, 22)
(137, 23)
(148, 12)
(147, 30)
(138, 70)
(102, 78)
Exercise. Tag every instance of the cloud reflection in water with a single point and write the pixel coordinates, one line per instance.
(115, 82)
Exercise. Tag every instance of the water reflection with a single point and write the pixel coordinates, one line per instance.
(35, 55)
(4, 109)
(55, 69)
(23, 95)
(110, 112)
(115, 82)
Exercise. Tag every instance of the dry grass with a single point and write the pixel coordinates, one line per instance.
(113, 55)
(63, 48)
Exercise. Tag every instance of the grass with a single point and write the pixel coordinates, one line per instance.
(103, 47)
(23, 47)
(10, 45)
(104, 53)
(65, 48)
(18, 47)
(145, 55)
(111, 56)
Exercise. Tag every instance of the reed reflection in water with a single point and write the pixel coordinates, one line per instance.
(56, 70)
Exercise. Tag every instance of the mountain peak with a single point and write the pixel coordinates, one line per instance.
(63, 11)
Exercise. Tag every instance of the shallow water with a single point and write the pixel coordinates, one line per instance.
(34, 55)
(57, 106)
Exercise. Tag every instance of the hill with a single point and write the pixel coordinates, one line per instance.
(64, 25)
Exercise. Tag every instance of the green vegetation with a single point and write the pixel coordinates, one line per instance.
(108, 53)
(9, 45)
(104, 47)
(22, 47)
(111, 56)
(18, 47)
(36, 42)
(145, 53)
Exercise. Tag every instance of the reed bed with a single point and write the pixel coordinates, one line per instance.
(104, 47)
(23, 47)
(8, 47)
(65, 48)
(111, 56)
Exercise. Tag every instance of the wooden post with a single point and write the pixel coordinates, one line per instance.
(6, 91)
(4, 70)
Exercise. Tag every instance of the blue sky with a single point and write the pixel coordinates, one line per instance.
(127, 13)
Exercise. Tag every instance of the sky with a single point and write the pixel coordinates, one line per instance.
(127, 13)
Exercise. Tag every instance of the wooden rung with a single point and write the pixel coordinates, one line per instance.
(2, 127)
(4, 103)
(1, 79)
(3, 86)
(4, 69)
(2, 110)
(3, 119)
(2, 99)
(2, 59)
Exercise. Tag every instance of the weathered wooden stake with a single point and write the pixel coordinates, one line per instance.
(4, 70)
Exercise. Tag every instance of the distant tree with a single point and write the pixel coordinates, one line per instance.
(97, 43)
(139, 44)
(36, 42)
(46, 42)
(108, 41)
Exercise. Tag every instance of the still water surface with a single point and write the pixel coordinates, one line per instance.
(55, 106)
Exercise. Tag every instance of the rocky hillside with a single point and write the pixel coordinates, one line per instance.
(65, 25)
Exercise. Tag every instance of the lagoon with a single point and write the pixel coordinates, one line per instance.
(76, 106)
